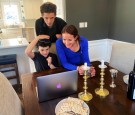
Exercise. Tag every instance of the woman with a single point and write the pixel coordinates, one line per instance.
(73, 50)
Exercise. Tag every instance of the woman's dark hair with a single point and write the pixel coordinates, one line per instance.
(44, 43)
(48, 7)
(71, 29)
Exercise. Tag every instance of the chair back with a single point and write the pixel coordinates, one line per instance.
(10, 103)
(122, 57)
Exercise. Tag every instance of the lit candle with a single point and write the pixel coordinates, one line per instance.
(85, 66)
(102, 63)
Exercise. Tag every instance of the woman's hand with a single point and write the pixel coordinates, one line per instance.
(92, 71)
(80, 70)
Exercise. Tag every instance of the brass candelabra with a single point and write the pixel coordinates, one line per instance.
(85, 96)
(102, 91)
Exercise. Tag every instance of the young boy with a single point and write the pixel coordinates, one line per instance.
(43, 59)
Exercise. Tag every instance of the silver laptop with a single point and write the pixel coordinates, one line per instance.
(56, 85)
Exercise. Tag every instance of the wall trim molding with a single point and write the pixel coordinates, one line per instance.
(101, 49)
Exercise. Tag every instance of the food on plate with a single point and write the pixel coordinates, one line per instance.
(72, 106)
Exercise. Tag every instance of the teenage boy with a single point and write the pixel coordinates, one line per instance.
(43, 59)
(49, 25)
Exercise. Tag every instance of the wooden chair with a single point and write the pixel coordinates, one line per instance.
(10, 103)
(122, 57)
(9, 63)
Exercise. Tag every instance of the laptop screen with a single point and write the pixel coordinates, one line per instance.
(56, 85)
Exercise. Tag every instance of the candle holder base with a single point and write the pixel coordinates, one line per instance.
(85, 96)
(112, 85)
(102, 92)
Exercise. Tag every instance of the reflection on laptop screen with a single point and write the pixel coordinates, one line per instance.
(56, 85)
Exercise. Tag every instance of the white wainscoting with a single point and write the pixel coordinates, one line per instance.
(97, 49)
(101, 49)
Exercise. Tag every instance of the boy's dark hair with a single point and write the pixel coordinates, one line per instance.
(44, 43)
(48, 7)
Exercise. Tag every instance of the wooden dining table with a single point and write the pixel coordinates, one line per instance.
(116, 103)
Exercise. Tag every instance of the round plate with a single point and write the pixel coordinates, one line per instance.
(125, 78)
(62, 101)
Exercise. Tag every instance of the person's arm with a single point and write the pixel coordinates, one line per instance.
(52, 61)
(92, 71)
(63, 58)
(85, 57)
(31, 46)
(38, 28)
(84, 51)
(58, 36)
(50, 64)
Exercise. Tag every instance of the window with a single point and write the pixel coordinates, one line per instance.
(10, 13)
